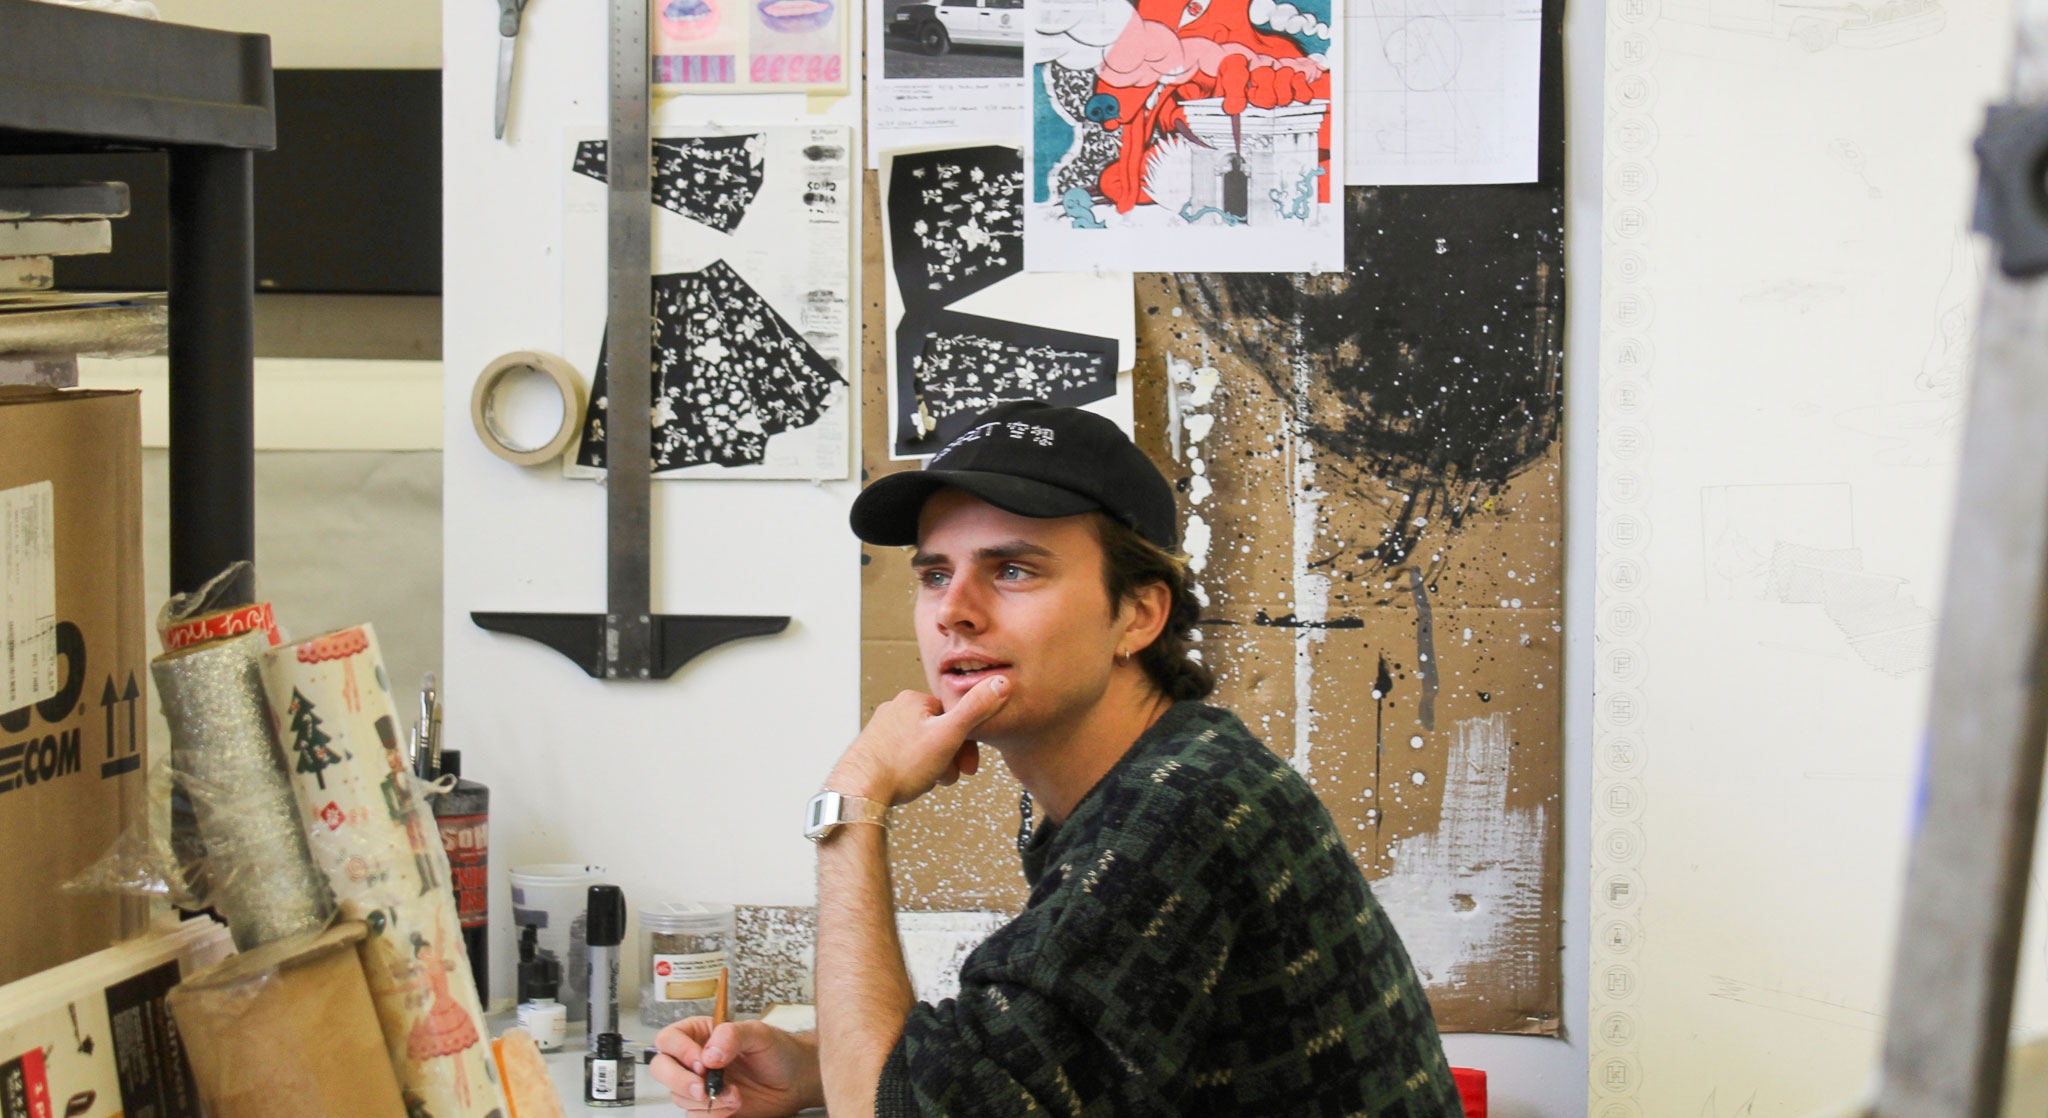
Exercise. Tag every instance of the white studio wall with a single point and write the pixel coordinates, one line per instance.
(362, 34)
(1789, 305)
(686, 789)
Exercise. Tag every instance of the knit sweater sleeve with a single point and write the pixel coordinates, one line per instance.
(1094, 1000)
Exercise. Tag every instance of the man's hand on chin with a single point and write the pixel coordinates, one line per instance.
(913, 743)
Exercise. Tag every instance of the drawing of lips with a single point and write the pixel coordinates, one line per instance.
(796, 15)
(688, 19)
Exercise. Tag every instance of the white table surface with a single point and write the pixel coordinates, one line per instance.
(566, 1068)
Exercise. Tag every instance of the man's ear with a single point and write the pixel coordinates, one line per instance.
(1145, 611)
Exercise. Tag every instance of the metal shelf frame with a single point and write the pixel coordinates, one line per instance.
(74, 80)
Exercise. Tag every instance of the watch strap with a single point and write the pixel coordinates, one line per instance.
(838, 809)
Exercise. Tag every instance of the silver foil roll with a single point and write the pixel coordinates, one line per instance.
(224, 752)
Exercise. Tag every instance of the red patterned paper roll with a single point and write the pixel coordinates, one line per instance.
(220, 626)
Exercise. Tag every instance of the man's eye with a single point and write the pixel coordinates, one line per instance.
(932, 579)
(1013, 572)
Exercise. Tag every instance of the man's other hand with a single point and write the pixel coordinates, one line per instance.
(913, 743)
(768, 1071)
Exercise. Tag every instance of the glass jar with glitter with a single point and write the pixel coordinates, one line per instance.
(683, 946)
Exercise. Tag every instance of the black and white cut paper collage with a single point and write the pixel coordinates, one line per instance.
(753, 301)
(968, 327)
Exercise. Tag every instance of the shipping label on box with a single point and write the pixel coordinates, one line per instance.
(28, 595)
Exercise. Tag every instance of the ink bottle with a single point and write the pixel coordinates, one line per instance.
(607, 1073)
(540, 978)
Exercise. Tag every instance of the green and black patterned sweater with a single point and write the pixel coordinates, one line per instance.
(1197, 942)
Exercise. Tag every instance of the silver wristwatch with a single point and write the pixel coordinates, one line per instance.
(829, 809)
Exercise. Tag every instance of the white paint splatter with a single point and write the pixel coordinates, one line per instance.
(1311, 588)
(1455, 894)
(1196, 541)
(935, 944)
(1199, 426)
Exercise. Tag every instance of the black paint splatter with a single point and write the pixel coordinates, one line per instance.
(708, 179)
(1440, 345)
(1289, 621)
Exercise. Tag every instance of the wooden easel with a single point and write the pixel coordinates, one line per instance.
(1959, 936)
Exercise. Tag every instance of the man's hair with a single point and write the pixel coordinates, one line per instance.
(1129, 562)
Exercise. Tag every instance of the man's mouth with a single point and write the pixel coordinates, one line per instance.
(968, 669)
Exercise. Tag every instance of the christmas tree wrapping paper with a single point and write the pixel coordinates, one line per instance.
(373, 835)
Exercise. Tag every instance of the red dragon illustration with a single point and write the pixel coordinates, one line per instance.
(1175, 51)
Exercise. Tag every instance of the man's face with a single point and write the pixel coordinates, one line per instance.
(1017, 596)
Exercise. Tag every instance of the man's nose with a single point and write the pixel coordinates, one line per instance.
(962, 607)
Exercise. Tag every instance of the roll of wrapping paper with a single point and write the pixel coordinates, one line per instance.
(219, 625)
(224, 750)
(426, 1003)
(338, 729)
(373, 836)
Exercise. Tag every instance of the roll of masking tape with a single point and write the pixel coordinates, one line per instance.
(483, 405)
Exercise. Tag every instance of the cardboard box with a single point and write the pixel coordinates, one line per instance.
(73, 664)
(94, 1038)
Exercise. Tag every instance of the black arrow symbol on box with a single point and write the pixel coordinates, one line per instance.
(107, 700)
(128, 697)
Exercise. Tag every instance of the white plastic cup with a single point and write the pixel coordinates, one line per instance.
(554, 899)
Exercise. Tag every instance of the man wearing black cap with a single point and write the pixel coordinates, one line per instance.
(1197, 940)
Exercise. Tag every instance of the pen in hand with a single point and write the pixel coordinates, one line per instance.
(714, 1078)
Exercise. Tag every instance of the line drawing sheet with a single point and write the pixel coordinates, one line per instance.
(753, 283)
(1442, 91)
(967, 327)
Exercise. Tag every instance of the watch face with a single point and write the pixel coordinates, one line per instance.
(814, 817)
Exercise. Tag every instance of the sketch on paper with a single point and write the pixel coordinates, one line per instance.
(969, 330)
(1856, 24)
(748, 46)
(1442, 91)
(751, 302)
(1184, 135)
(1796, 545)
(1921, 428)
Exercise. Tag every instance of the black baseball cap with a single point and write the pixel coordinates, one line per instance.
(1032, 459)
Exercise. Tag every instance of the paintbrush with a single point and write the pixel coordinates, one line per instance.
(714, 1079)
